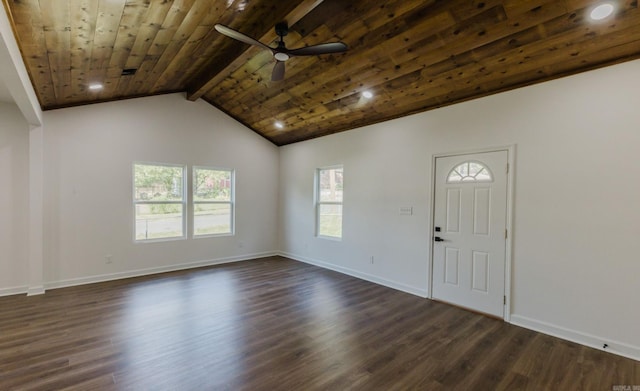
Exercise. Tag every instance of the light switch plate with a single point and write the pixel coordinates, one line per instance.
(406, 210)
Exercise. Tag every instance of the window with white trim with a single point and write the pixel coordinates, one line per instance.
(329, 198)
(159, 201)
(213, 201)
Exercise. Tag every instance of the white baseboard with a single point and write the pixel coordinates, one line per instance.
(35, 290)
(615, 347)
(18, 290)
(354, 273)
(154, 270)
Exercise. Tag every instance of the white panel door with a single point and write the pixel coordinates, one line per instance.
(470, 231)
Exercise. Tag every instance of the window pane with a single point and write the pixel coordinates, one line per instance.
(158, 221)
(475, 168)
(158, 183)
(483, 175)
(330, 220)
(454, 177)
(463, 169)
(330, 187)
(211, 185)
(211, 219)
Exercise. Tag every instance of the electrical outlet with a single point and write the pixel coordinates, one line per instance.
(108, 259)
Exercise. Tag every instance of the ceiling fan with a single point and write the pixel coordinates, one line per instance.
(281, 53)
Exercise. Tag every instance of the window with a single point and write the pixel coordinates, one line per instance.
(212, 201)
(329, 196)
(159, 201)
(470, 172)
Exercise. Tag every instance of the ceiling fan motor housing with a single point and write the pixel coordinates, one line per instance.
(282, 29)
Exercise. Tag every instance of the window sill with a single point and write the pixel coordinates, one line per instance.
(213, 236)
(159, 240)
(333, 238)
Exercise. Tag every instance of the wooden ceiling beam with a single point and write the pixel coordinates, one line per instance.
(218, 74)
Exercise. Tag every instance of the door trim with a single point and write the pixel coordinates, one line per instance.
(511, 151)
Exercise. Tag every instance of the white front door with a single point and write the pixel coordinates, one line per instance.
(470, 231)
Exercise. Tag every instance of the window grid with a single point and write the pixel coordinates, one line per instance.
(470, 171)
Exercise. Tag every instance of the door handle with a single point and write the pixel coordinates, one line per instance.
(438, 239)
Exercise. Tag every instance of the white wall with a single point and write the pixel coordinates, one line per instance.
(577, 219)
(14, 199)
(89, 152)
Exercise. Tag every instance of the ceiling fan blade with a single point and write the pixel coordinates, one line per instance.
(278, 71)
(231, 33)
(323, 48)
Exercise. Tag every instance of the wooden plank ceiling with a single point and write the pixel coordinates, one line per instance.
(413, 55)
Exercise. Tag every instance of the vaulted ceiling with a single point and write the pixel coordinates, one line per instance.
(412, 55)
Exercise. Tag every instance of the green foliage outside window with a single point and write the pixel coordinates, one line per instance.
(212, 185)
(158, 183)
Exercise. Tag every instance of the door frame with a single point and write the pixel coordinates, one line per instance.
(511, 151)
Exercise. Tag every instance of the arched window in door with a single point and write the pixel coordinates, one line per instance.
(470, 171)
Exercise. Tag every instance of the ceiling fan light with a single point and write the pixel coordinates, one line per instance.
(281, 56)
(367, 94)
(602, 11)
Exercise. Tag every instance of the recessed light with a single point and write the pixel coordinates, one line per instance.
(279, 125)
(367, 94)
(601, 11)
(95, 86)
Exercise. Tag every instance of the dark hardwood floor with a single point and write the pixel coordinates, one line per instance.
(276, 324)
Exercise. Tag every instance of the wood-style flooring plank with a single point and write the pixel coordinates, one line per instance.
(277, 324)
